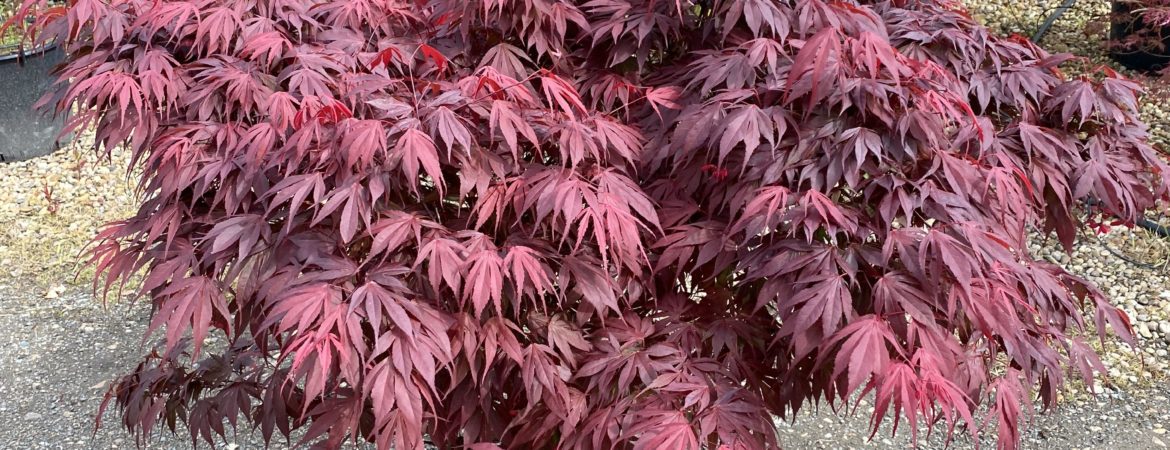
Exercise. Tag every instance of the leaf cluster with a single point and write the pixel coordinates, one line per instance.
(595, 224)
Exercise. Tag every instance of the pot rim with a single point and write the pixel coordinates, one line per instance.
(35, 52)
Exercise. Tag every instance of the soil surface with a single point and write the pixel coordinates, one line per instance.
(57, 355)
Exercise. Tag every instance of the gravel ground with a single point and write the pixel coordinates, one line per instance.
(51, 206)
(1113, 420)
(57, 356)
(59, 347)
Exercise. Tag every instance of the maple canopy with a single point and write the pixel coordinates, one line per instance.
(633, 224)
(1138, 33)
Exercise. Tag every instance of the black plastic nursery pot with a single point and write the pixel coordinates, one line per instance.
(24, 132)
(1146, 58)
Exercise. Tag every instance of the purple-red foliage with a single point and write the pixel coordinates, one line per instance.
(595, 224)
(1145, 23)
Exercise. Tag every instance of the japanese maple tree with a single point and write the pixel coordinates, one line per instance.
(642, 224)
(1139, 33)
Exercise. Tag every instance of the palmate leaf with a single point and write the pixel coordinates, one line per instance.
(512, 127)
(590, 281)
(445, 259)
(865, 350)
(485, 280)
(595, 224)
(528, 274)
(190, 304)
(414, 150)
(813, 71)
